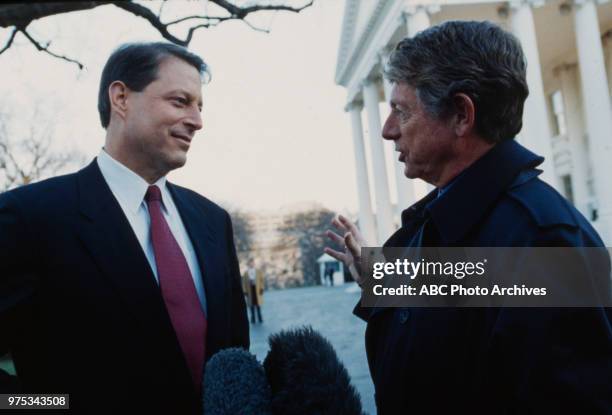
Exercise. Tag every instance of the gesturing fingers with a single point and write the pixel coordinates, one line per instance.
(335, 237)
(352, 228)
(351, 241)
(347, 224)
(340, 256)
(338, 224)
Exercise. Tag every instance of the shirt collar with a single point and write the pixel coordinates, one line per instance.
(462, 204)
(128, 187)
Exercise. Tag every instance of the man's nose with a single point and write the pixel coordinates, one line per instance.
(194, 121)
(390, 130)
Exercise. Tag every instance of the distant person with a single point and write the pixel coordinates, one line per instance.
(115, 284)
(253, 286)
(330, 275)
(457, 97)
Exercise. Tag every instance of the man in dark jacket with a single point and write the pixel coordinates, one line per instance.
(456, 106)
(116, 285)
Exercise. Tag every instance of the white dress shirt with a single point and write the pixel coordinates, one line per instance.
(129, 189)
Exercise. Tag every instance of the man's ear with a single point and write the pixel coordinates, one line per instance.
(465, 114)
(117, 94)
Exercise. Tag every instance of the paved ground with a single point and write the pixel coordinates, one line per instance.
(329, 311)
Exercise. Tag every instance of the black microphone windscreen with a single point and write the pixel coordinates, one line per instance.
(235, 384)
(306, 376)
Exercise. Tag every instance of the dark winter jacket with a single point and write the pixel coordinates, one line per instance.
(492, 360)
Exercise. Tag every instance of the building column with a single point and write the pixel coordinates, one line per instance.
(384, 215)
(536, 131)
(366, 217)
(608, 42)
(597, 110)
(417, 18)
(568, 74)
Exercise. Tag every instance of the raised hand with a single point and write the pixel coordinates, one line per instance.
(352, 241)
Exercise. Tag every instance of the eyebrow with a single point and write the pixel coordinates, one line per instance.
(187, 94)
(401, 103)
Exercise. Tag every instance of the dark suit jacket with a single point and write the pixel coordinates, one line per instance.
(80, 309)
(495, 360)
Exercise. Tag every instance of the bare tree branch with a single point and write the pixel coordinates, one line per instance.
(46, 49)
(217, 19)
(142, 11)
(161, 9)
(20, 15)
(192, 30)
(242, 12)
(258, 29)
(32, 157)
(305, 231)
(10, 41)
(235, 13)
(11, 164)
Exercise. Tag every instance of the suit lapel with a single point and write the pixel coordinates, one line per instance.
(209, 251)
(109, 238)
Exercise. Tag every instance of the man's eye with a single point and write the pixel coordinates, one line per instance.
(398, 112)
(180, 100)
(403, 115)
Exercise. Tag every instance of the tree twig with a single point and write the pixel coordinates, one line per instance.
(252, 26)
(161, 8)
(21, 15)
(46, 49)
(217, 19)
(10, 41)
(241, 12)
(235, 12)
(193, 29)
(146, 13)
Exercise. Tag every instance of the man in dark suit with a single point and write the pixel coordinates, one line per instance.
(116, 285)
(456, 106)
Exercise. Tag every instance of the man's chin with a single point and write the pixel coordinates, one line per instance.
(180, 163)
(176, 162)
(410, 173)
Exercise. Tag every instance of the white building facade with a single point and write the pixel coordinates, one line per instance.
(567, 117)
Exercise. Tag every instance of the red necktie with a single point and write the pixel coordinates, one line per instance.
(177, 289)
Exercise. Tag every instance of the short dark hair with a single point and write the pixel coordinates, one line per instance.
(478, 59)
(136, 65)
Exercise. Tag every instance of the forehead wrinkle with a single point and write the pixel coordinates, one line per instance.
(397, 97)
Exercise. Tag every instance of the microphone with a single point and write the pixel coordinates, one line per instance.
(306, 377)
(235, 384)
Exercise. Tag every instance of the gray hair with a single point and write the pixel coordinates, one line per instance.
(478, 59)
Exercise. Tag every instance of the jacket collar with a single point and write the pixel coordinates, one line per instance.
(107, 235)
(128, 187)
(464, 203)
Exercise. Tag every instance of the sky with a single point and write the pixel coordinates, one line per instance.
(275, 131)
